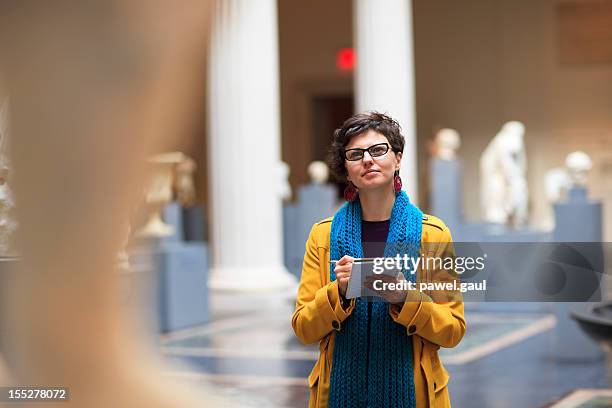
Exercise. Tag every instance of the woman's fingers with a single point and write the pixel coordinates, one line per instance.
(343, 268)
(343, 272)
(342, 276)
(346, 259)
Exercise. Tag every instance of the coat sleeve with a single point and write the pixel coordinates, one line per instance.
(437, 318)
(319, 307)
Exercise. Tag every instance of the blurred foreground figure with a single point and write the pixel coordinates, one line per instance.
(94, 87)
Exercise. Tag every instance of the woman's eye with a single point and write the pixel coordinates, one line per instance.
(378, 150)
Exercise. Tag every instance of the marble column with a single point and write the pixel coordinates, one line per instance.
(384, 78)
(244, 148)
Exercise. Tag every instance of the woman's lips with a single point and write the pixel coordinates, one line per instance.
(370, 172)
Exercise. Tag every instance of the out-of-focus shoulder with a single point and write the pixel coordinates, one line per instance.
(433, 223)
(320, 232)
(435, 231)
(325, 220)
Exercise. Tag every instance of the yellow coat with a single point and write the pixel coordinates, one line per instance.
(319, 313)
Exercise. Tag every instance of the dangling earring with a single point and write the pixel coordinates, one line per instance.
(350, 192)
(397, 182)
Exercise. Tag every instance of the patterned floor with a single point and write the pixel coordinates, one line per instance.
(254, 360)
(270, 337)
(586, 399)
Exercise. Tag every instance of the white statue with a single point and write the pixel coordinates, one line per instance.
(578, 165)
(184, 185)
(171, 178)
(159, 194)
(446, 143)
(503, 167)
(318, 172)
(283, 180)
(8, 225)
(556, 184)
(559, 180)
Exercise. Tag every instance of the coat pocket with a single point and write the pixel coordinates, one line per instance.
(440, 379)
(313, 383)
(318, 390)
(313, 377)
(316, 370)
(440, 376)
(441, 397)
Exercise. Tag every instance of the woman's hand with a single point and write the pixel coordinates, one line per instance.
(343, 272)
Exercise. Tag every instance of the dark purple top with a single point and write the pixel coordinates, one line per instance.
(373, 238)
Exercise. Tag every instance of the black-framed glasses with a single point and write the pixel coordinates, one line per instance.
(377, 150)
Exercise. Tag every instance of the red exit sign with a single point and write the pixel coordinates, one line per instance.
(345, 59)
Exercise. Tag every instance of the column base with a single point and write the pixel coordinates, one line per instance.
(257, 279)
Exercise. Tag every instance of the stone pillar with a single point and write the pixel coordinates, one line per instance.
(385, 72)
(244, 148)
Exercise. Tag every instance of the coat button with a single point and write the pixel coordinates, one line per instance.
(336, 325)
(411, 329)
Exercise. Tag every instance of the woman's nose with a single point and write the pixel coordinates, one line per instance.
(367, 157)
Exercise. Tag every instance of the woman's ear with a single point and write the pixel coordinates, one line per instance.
(398, 156)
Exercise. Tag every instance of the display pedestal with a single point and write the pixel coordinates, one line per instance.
(577, 220)
(446, 192)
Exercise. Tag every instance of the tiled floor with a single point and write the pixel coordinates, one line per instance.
(254, 360)
(585, 398)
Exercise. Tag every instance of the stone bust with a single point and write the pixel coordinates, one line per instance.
(318, 172)
(446, 143)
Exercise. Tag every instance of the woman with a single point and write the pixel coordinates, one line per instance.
(374, 354)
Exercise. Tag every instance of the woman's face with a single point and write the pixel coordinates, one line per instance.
(372, 172)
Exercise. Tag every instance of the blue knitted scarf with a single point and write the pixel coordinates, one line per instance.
(372, 364)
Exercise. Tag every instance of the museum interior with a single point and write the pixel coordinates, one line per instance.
(162, 167)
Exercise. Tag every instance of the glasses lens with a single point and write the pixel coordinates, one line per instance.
(378, 150)
(353, 155)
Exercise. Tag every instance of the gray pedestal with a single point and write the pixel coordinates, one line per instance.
(173, 215)
(195, 224)
(179, 279)
(315, 202)
(178, 273)
(189, 223)
(291, 247)
(446, 192)
(182, 290)
(577, 220)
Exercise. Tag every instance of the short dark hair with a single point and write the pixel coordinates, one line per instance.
(356, 125)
